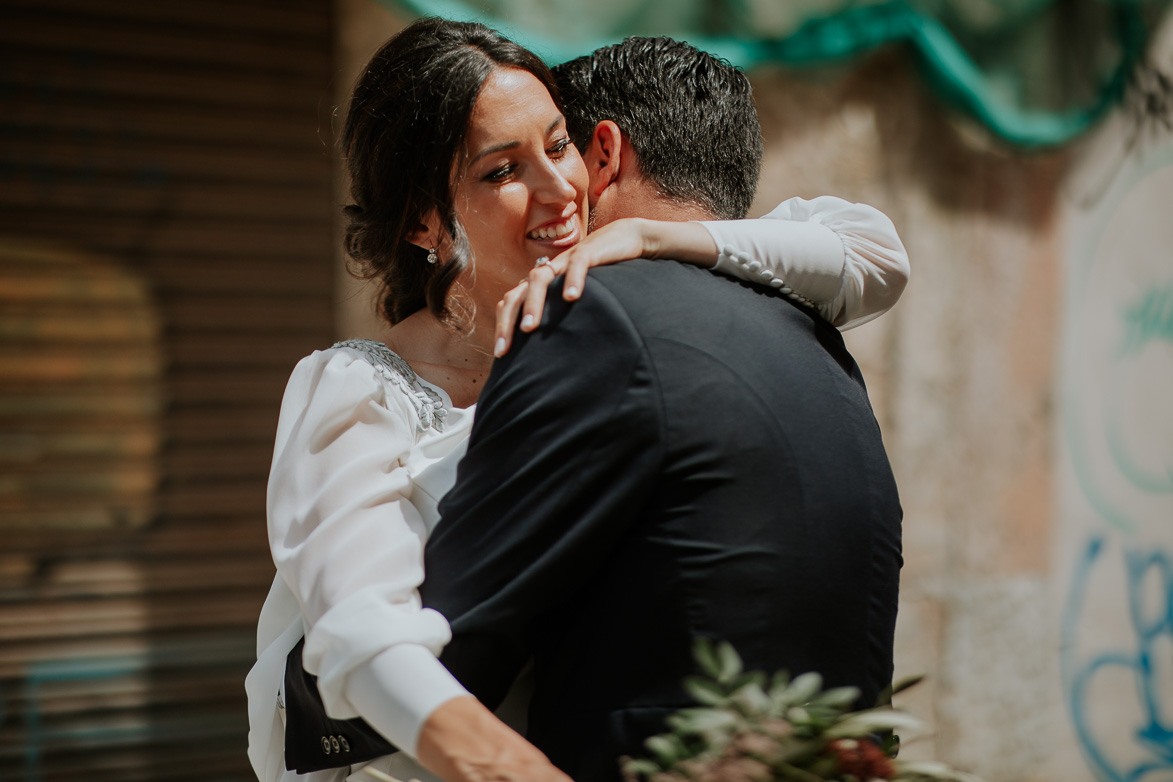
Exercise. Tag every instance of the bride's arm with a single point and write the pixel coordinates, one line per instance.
(845, 260)
(348, 542)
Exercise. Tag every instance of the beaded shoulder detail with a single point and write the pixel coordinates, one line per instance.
(427, 403)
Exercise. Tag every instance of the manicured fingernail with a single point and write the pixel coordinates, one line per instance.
(527, 322)
(572, 292)
(499, 348)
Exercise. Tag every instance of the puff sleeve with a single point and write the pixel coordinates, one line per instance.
(348, 541)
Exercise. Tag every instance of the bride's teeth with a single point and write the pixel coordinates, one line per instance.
(554, 231)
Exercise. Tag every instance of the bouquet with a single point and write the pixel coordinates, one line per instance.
(753, 729)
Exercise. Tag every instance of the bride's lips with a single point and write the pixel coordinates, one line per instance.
(563, 232)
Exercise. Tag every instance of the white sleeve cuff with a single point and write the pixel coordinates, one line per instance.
(399, 690)
(805, 257)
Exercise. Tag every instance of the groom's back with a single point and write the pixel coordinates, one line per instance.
(771, 520)
(674, 455)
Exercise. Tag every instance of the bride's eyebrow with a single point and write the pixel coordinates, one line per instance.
(511, 144)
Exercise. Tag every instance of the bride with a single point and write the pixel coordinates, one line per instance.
(463, 177)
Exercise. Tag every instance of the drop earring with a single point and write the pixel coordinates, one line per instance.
(432, 255)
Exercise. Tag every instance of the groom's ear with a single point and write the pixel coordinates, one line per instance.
(604, 158)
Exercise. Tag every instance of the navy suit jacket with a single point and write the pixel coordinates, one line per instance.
(674, 455)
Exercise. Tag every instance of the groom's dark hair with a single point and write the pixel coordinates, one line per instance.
(689, 116)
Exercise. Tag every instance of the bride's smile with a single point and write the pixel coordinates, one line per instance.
(521, 191)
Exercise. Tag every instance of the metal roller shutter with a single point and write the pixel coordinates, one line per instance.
(166, 256)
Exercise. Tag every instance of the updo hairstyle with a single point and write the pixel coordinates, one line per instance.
(405, 128)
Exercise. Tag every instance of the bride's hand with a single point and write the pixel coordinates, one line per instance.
(462, 741)
(621, 240)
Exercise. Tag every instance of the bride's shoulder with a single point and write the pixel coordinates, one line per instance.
(385, 361)
(362, 366)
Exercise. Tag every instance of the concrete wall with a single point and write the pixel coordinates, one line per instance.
(960, 374)
(1024, 386)
(1113, 545)
(1038, 537)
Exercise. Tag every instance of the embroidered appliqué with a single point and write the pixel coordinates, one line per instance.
(427, 403)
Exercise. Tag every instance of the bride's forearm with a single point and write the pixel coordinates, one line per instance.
(689, 242)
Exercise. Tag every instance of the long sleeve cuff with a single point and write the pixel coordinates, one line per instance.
(812, 263)
(399, 690)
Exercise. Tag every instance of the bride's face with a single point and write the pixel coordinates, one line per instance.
(521, 187)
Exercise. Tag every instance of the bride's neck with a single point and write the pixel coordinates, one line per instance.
(456, 362)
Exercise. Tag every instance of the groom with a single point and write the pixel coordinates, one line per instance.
(671, 456)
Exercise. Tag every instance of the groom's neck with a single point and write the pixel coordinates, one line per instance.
(645, 200)
(661, 208)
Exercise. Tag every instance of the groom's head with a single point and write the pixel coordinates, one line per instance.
(666, 130)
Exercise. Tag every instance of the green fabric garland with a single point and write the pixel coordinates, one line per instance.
(806, 33)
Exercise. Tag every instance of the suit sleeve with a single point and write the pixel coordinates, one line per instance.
(562, 454)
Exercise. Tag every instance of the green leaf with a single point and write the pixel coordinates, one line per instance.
(729, 661)
(779, 682)
(906, 683)
(710, 723)
(666, 750)
(802, 750)
(705, 691)
(751, 700)
(836, 697)
(753, 677)
(803, 688)
(873, 721)
(798, 716)
(642, 767)
(706, 657)
(885, 696)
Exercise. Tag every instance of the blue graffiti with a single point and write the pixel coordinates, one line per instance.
(1148, 319)
(1152, 625)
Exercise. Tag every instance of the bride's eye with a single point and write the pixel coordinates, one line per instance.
(558, 148)
(501, 173)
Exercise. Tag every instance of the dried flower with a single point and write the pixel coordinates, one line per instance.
(861, 758)
(748, 730)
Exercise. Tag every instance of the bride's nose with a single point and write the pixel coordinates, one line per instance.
(552, 187)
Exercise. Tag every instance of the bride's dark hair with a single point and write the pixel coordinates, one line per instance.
(407, 122)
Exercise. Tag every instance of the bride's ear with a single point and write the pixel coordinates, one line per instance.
(427, 234)
(604, 157)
